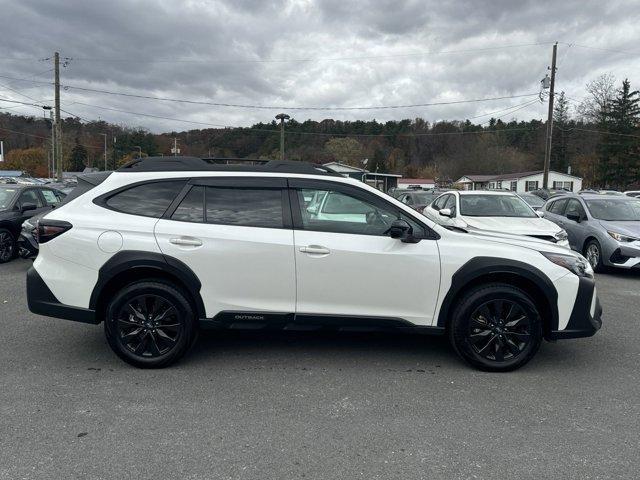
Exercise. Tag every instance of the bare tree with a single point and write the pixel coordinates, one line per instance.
(596, 107)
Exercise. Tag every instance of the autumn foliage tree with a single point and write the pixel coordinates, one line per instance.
(33, 161)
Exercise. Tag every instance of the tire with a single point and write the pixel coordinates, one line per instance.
(150, 324)
(496, 327)
(593, 253)
(8, 246)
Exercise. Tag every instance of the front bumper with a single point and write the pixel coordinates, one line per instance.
(586, 316)
(43, 302)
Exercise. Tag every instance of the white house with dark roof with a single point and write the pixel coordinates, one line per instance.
(520, 182)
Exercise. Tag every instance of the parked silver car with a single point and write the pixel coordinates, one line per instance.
(605, 228)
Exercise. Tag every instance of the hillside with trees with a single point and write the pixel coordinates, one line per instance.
(598, 137)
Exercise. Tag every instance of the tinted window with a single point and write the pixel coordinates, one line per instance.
(191, 209)
(249, 207)
(30, 196)
(338, 212)
(557, 207)
(574, 207)
(148, 199)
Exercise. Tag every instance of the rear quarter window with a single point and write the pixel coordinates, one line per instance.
(148, 199)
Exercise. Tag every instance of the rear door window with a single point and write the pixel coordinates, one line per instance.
(247, 207)
(191, 208)
(148, 199)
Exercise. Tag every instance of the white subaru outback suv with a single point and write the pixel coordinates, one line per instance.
(166, 246)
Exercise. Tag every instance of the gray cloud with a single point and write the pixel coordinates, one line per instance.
(218, 51)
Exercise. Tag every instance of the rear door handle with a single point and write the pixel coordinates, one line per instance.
(315, 250)
(186, 241)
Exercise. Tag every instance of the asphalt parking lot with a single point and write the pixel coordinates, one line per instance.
(306, 406)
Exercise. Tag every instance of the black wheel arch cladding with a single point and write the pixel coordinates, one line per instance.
(492, 268)
(127, 262)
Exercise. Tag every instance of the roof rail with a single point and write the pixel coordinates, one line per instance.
(183, 164)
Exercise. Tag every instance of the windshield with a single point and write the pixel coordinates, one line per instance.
(621, 210)
(494, 206)
(533, 200)
(6, 195)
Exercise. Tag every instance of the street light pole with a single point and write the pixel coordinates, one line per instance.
(282, 117)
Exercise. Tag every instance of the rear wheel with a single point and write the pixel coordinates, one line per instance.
(150, 324)
(7, 245)
(496, 327)
(593, 253)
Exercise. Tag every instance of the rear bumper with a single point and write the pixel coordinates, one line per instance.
(43, 302)
(586, 316)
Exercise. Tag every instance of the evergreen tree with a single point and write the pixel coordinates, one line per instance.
(559, 150)
(78, 157)
(623, 151)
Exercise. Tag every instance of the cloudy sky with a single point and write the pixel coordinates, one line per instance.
(308, 53)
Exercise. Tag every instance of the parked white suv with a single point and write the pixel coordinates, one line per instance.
(165, 246)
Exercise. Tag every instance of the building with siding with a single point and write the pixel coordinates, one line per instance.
(520, 182)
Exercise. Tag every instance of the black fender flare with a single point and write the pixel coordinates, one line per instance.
(128, 260)
(485, 266)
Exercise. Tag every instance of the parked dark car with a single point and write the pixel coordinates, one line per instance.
(17, 204)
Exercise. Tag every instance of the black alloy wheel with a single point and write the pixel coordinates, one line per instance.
(150, 323)
(148, 326)
(496, 327)
(499, 330)
(7, 245)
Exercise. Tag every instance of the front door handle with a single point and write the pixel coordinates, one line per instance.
(315, 250)
(186, 241)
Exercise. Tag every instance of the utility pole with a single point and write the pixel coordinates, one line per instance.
(282, 117)
(58, 129)
(547, 150)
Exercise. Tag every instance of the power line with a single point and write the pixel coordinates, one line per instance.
(603, 132)
(624, 52)
(281, 107)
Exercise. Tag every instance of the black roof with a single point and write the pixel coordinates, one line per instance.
(182, 164)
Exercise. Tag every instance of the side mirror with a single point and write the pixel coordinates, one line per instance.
(574, 216)
(446, 212)
(28, 206)
(401, 230)
(540, 213)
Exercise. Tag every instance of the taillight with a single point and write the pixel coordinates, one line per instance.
(49, 229)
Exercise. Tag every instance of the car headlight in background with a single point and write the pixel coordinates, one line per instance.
(574, 263)
(622, 238)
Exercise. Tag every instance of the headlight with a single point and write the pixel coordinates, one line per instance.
(574, 263)
(561, 235)
(621, 238)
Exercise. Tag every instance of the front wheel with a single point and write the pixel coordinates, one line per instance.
(593, 253)
(7, 245)
(150, 324)
(496, 327)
